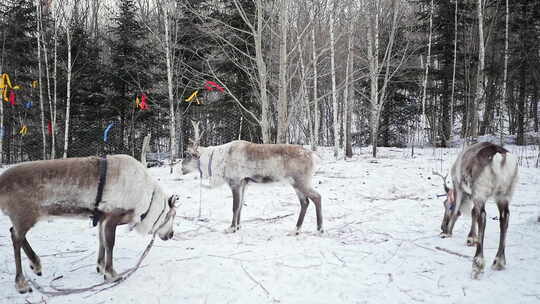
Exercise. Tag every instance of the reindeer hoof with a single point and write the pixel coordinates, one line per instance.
(444, 235)
(100, 269)
(320, 230)
(499, 263)
(36, 269)
(471, 241)
(111, 276)
(231, 229)
(23, 287)
(478, 267)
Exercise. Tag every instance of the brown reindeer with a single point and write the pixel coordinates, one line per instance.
(69, 187)
(481, 171)
(239, 163)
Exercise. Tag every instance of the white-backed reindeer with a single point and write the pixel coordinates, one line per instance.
(481, 171)
(70, 187)
(239, 163)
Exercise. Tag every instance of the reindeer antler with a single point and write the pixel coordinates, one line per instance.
(446, 189)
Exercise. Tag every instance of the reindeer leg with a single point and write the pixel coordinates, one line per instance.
(471, 238)
(35, 262)
(478, 261)
(315, 197)
(500, 259)
(100, 268)
(20, 282)
(304, 202)
(109, 238)
(242, 192)
(236, 207)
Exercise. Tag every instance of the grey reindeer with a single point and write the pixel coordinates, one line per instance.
(239, 163)
(36, 190)
(480, 172)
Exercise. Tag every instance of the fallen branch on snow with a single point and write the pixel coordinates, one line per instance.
(452, 252)
(272, 219)
(255, 281)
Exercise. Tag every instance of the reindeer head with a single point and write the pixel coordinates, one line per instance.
(191, 159)
(449, 204)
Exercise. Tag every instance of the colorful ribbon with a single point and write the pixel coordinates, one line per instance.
(106, 133)
(5, 85)
(23, 130)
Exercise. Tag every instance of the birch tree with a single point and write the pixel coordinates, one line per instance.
(423, 124)
(505, 75)
(348, 93)
(282, 104)
(40, 73)
(333, 75)
(379, 68)
(473, 129)
(69, 66)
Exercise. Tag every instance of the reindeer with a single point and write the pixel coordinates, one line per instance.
(481, 171)
(114, 191)
(239, 163)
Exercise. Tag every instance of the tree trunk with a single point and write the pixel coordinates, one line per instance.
(40, 72)
(316, 121)
(505, 76)
(68, 93)
(346, 95)
(473, 131)
(263, 77)
(172, 120)
(423, 124)
(334, 93)
(454, 68)
(282, 106)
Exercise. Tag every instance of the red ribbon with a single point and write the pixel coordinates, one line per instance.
(144, 105)
(210, 85)
(49, 127)
(12, 97)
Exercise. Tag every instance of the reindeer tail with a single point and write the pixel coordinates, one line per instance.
(505, 167)
(317, 160)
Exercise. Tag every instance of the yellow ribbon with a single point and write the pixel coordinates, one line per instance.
(34, 84)
(23, 130)
(194, 96)
(5, 84)
(137, 101)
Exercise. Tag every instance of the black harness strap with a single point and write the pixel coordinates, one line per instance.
(101, 184)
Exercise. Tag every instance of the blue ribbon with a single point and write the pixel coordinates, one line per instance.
(28, 104)
(106, 133)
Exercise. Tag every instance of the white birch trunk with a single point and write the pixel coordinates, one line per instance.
(282, 106)
(68, 92)
(172, 120)
(505, 76)
(480, 76)
(346, 96)
(423, 120)
(373, 62)
(41, 106)
(263, 77)
(315, 131)
(334, 93)
(454, 69)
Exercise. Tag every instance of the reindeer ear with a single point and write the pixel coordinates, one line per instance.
(172, 200)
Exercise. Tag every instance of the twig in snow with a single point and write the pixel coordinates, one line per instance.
(254, 280)
(272, 219)
(63, 253)
(339, 259)
(452, 252)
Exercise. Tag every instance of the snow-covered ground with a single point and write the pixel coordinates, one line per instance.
(381, 244)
